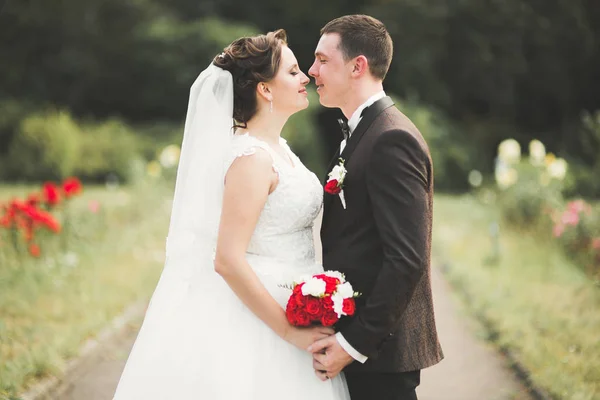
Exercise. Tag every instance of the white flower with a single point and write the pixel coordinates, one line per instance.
(537, 152)
(509, 151)
(475, 178)
(338, 173)
(345, 290)
(338, 304)
(505, 175)
(302, 279)
(335, 274)
(314, 287)
(169, 157)
(558, 169)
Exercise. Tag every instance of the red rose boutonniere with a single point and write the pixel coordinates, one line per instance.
(335, 183)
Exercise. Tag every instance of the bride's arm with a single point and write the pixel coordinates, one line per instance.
(248, 183)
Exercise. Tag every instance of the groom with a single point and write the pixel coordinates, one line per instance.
(378, 231)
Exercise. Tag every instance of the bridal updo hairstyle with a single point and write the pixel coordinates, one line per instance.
(251, 60)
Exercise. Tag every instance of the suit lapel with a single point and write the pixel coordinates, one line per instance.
(332, 163)
(370, 114)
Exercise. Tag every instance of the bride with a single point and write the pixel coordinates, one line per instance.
(241, 226)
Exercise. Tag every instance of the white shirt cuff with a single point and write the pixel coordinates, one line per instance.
(349, 349)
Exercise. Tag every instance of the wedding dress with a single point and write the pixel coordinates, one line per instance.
(198, 340)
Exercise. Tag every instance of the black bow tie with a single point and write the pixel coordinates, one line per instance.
(344, 124)
(345, 128)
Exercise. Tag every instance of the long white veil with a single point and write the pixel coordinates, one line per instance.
(200, 176)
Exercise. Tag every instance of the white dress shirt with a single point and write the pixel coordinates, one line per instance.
(352, 124)
(355, 118)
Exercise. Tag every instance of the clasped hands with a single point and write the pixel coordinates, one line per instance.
(329, 358)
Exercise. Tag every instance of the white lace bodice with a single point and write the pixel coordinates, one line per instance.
(284, 228)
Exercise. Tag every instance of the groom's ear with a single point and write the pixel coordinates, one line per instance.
(360, 66)
(264, 91)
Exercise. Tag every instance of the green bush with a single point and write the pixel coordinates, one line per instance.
(585, 160)
(452, 155)
(526, 203)
(109, 148)
(577, 228)
(45, 147)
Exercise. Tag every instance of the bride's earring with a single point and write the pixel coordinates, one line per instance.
(271, 106)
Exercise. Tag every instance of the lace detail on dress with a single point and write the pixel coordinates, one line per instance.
(284, 228)
(251, 151)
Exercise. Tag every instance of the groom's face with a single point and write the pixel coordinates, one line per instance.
(332, 74)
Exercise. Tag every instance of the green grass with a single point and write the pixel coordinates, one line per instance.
(545, 310)
(50, 306)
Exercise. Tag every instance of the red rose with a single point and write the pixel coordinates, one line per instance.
(332, 187)
(51, 194)
(329, 318)
(299, 299)
(290, 311)
(330, 283)
(298, 288)
(302, 318)
(71, 187)
(313, 306)
(327, 303)
(349, 306)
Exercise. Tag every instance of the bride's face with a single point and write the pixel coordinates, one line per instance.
(288, 88)
(331, 72)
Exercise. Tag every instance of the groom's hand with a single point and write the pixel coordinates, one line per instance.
(329, 358)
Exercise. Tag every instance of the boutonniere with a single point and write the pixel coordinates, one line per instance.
(335, 183)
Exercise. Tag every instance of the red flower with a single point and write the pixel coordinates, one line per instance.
(302, 318)
(71, 187)
(51, 194)
(313, 306)
(349, 306)
(290, 312)
(34, 250)
(329, 318)
(33, 200)
(332, 187)
(44, 218)
(330, 283)
(327, 303)
(300, 299)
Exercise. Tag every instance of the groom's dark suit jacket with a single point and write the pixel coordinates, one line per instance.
(382, 242)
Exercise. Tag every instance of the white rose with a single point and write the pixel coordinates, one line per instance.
(335, 274)
(509, 151)
(558, 169)
(338, 304)
(314, 287)
(302, 279)
(537, 152)
(169, 157)
(345, 290)
(338, 172)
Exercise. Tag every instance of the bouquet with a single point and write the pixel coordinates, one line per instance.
(320, 299)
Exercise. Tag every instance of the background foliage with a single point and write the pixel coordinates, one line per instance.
(490, 69)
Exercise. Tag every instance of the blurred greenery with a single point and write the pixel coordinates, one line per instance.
(99, 88)
(46, 146)
(489, 70)
(538, 304)
(52, 304)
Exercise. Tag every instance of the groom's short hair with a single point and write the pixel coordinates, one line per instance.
(362, 34)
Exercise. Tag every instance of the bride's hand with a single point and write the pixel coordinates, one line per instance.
(303, 337)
